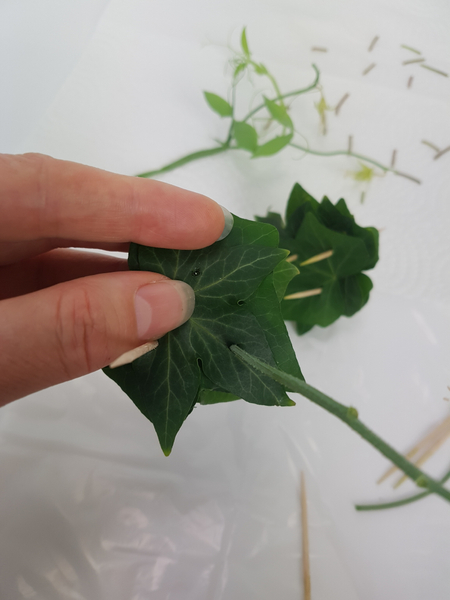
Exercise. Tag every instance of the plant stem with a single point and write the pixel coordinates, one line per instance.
(288, 95)
(223, 147)
(355, 155)
(346, 414)
(186, 159)
(402, 502)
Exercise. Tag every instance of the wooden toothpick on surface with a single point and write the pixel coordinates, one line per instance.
(305, 294)
(441, 152)
(394, 158)
(340, 103)
(305, 541)
(440, 432)
(369, 68)
(372, 43)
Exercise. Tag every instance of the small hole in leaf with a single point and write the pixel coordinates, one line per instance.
(195, 272)
(240, 302)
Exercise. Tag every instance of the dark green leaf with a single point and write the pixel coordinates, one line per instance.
(273, 146)
(245, 136)
(282, 275)
(209, 393)
(311, 229)
(236, 303)
(244, 43)
(299, 197)
(218, 104)
(279, 113)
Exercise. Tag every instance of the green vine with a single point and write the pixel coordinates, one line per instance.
(243, 136)
(348, 415)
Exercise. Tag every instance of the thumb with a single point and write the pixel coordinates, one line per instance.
(79, 326)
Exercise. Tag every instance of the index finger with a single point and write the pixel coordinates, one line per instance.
(47, 198)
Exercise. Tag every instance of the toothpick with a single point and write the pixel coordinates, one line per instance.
(372, 43)
(340, 103)
(305, 294)
(401, 174)
(434, 70)
(432, 146)
(369, 68)
(435, 434)
(292, 257)
(412, 61)
(439, 154)
(131, 355)
(411, 49)
(426, 455)
(393, 159)
(305, 541)
(350, 144)
(317, 258)
(319, 49)
(410, 80)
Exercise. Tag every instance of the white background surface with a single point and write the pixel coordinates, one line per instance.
(89, 507)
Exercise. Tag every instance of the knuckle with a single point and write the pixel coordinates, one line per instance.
(80, 332)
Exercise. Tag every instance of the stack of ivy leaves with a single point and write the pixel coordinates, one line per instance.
(240, 284)
(330, 251)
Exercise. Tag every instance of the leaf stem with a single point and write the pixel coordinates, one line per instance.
(402, 502)
(187, 159)
(356, 155)
(288, 95)
(346, 414)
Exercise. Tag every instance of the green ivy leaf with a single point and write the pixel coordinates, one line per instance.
(218, 104)
(244, 43)
(283, 273)
(312, 229)
(279, 113)
(245, 136)
(273, 146)
(236, 303)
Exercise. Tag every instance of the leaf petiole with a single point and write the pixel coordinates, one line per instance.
(346, 414)
(356, 155)
(310, 87)
(402, 502)
(187, 159)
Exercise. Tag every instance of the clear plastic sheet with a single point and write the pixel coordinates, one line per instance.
(89, 506)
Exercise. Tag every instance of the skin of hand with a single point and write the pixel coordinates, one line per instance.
(65, 312)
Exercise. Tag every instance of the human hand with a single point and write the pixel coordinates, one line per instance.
(64, 312)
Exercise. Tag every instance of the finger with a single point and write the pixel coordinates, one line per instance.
(47, 198)
(76, 327)
(12, 252)
(55, 267)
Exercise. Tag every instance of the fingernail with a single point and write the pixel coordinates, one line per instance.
(128, 357)
(162, 306)
(228, 223)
